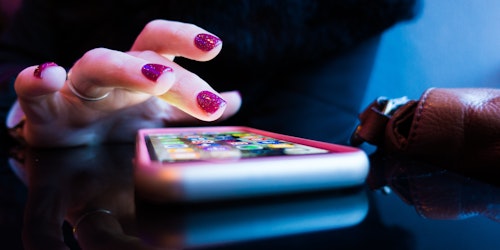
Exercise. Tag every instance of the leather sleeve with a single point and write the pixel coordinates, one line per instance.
(448, 125)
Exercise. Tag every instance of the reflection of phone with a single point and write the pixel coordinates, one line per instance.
(207, 163)
(235, 223)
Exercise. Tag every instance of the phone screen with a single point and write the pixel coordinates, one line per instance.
(196, 146)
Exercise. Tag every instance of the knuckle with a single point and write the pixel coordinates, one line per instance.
(153, 25)
(99, 56)
(96, 63)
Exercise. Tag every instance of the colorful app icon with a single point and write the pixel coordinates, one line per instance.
(167, 146)
(280, 145)
(249, 147)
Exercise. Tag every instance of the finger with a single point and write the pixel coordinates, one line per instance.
(36, 82)
(170, 38)
(104, 231)
(192, 94)
(37, 87)
(233, 98)
(102, 71)
(45, 207)
(42, 228)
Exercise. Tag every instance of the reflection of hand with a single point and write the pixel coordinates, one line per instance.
(434, 191)
(130, 83)
(72, 184)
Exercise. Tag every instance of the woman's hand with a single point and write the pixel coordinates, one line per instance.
(107, 95)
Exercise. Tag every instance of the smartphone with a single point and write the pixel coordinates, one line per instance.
(225, 162)
(199, 227)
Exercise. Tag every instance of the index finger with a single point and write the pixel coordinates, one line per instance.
(171, 38)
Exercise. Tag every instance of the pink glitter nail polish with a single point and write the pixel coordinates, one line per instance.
(40, 68)
(210, 102)
(206, 42)
(153, 71)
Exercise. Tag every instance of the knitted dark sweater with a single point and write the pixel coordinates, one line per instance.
(291, 60)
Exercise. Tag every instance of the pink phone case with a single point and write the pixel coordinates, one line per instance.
(233, 175)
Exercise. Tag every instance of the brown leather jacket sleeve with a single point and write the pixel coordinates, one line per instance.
(449, 125)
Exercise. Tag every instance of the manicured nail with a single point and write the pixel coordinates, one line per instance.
(153, 71)
(210, 102)
(40, 68)
(206, 42)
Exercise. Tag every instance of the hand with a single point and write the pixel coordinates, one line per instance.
(107, 95)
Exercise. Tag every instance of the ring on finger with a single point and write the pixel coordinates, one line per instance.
(86, 215)
(82, 96)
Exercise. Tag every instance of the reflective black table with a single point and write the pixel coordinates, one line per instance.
(405, 204)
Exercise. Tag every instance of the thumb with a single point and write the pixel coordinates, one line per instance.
(36, 87)
(37, 81)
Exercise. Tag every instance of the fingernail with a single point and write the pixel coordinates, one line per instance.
(210, 102)
(153, 71)
(40, 68)
(206, 42)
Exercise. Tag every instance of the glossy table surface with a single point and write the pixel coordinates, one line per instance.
(405, 204)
